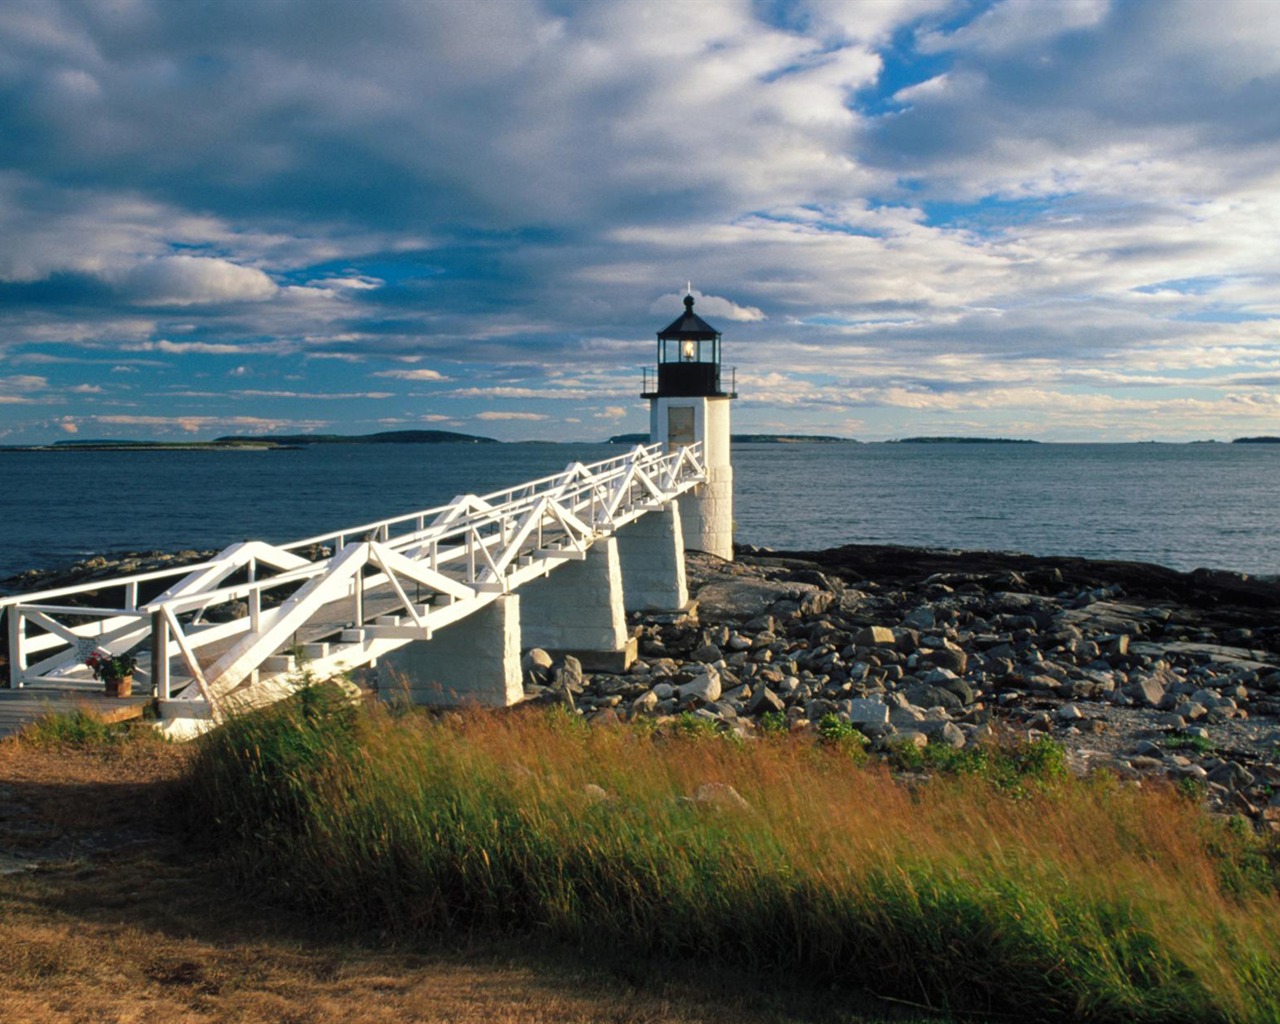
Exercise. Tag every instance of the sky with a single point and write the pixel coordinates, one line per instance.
(1055, 219)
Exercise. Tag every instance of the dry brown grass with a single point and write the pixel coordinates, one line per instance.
(149, 933)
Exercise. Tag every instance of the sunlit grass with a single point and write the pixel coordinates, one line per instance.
(1052, 898)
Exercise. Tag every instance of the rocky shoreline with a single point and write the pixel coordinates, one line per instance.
(1140, 670)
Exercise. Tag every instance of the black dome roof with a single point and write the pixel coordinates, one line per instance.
(688, 326)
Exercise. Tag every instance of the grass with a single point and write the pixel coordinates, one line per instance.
(999, 888)
(82, 729)
(122, 920)
(1197, 744)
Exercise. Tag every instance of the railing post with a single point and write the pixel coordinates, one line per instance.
(255, 610)
(17, 656)
(131, 597)
(160, 655)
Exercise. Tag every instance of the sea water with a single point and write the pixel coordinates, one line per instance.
(1183, 506)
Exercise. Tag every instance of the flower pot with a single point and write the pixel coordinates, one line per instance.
(121, 687)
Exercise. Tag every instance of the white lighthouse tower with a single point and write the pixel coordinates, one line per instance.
(689, 404)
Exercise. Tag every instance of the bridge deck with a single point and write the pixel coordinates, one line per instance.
(363, 592)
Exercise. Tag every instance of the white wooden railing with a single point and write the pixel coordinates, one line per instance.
(345, 595)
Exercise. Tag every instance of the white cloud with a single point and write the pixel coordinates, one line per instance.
(1017, 24)
(188, 280)
(22, 389)
(202, 424)
(708, 305)
(420, 374)
(495, 415)
(315, 396)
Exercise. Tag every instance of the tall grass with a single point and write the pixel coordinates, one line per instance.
(1069, 900)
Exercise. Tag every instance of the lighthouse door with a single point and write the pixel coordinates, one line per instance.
(680, 428)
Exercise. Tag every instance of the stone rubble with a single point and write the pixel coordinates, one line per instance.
(1144, 671)
(1134, 669)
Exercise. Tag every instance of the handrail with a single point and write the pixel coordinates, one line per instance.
(489, 543)
(89, 586)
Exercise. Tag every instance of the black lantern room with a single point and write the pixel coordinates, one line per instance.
(688, 358)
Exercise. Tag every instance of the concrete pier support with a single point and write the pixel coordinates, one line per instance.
(578, 610)
(474, 661)
(651, 552)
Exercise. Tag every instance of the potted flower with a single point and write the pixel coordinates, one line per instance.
(115, 670)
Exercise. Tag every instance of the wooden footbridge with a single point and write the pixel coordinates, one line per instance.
(236, 629)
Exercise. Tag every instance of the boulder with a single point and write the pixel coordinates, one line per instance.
(874, 636)
(720, 796)
(705, 686)
(867, 711)
(764, 700)
(1148, 691)
(740, 600)
(535, 667)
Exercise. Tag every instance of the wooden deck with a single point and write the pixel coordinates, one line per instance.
(19, 708)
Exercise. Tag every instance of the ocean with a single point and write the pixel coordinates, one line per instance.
(1183, 506)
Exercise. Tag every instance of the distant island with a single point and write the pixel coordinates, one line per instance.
(260, 442)
(750, 439)
(962, 440)
(384, 437)
(1264, 439)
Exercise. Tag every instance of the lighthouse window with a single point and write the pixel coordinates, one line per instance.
(688, 351)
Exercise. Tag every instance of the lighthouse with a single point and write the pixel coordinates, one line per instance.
(689, 404)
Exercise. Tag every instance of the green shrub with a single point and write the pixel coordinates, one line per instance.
(843, 735)
(76, 728)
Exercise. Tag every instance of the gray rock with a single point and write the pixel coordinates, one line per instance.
(646, 703)
(920, 618)
(1232, 775)
(705, 686)
(707, 654)
(906, 717)
(926, 696)
(720, 796)
(567, 674)
(1148, 692)
(867, 711)
(764, 700)
(745, 599)
(535, 667)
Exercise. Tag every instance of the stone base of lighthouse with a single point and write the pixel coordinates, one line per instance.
(706, 514)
